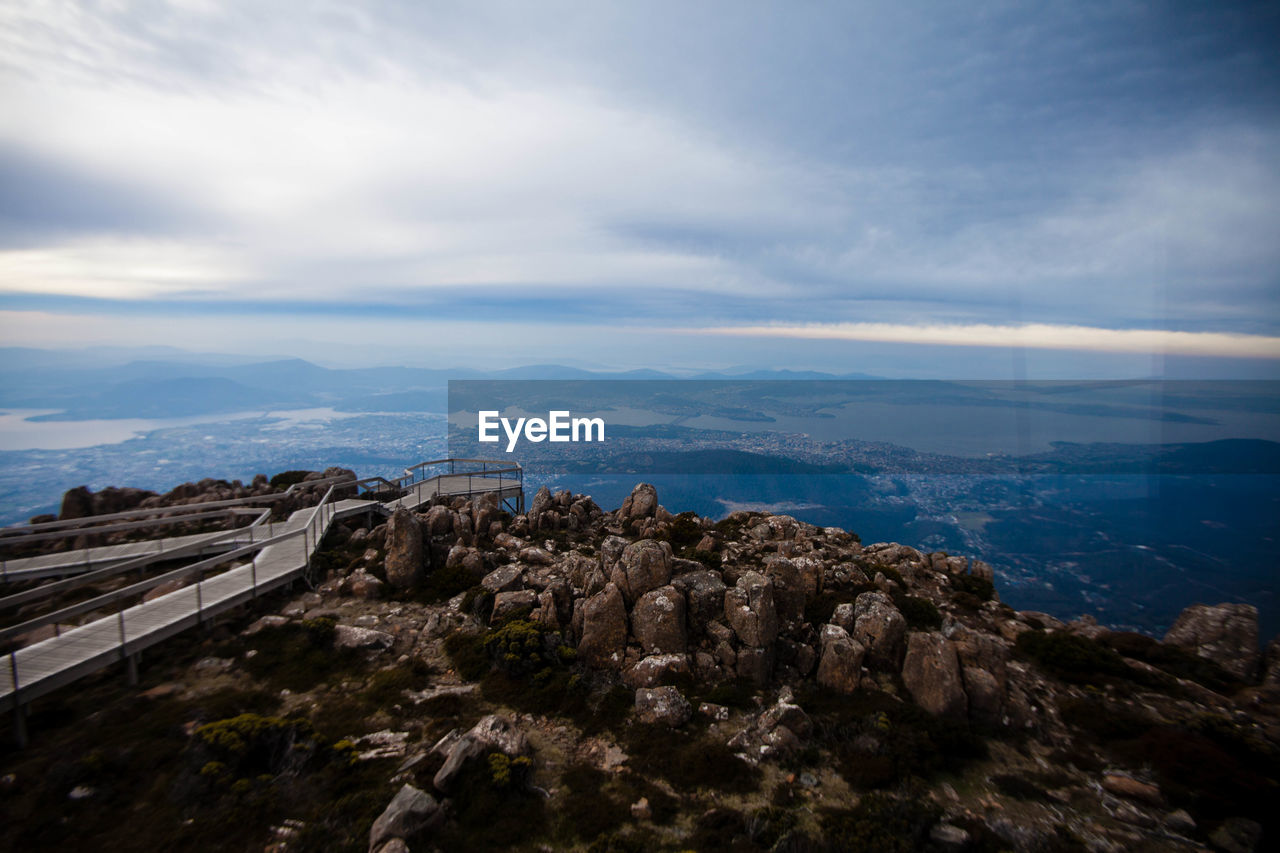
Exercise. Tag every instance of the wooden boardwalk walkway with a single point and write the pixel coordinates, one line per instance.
(277, 557)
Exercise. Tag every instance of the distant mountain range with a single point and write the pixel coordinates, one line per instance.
(104, 383)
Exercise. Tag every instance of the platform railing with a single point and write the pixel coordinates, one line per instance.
(311, 532)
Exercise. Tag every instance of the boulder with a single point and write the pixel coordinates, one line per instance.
(643, 565)
(931, 673)
(603, 632)
(788, 592)
(492, 734)
(641, 503)
(1237, 835)
(749, 610)
(542, 502)
(1271, 664)
(507, 604)
(840, 664)
(654, 669)
(410, 812)
(663, 705)
(704, 597)
(536, 556)
(405, 555)
(753, 663)
(658, 621)
(508, 578)
(1226, 634)
(438, 521)
(352, 637)
(880, 628)
(361, 584)
(1127, 786)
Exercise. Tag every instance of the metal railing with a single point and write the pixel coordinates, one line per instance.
(311, 533)
(141, 561)
(147, 516)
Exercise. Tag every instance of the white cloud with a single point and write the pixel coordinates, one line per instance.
(1028, 336)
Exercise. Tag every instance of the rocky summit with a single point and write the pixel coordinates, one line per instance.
(579, 679)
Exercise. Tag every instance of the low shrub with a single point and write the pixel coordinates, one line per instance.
(467, 653)
(880, 822)
(1176, 661)
(1071, 657)
(299, 655)
(920, 613)
(285, 479)
(980, 588)
(687, 761)
(879, 741)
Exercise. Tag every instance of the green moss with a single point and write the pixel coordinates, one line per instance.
(508, 772)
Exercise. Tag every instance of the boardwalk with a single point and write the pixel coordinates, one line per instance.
(277, 557)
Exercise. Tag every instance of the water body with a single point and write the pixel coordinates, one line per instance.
(17, 432)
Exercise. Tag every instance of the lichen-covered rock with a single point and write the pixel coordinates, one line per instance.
(1226, 634)
(753, 663)
(663, 705)
(654, 669)
(880, 628)
(788, 592)
(492, 733)
(541, 502)
(437, 521)
(352, 637)
(405, 561)
(704, 597)
(643, 566)
(931, 673)
(750, 611)
(506, 578)
(509, 604)
(840, 662)
(603, 632)
(658, 621)
(641, 503)
(361, 584)
(410, 812)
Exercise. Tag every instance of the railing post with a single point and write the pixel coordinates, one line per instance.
(199, 603)
(253, 574)
(120, 620)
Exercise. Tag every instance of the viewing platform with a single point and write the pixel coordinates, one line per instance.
(273, 554)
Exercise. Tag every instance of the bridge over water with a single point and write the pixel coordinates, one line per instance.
(273, 554)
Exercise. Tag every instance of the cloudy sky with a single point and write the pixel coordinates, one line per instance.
(907, 187)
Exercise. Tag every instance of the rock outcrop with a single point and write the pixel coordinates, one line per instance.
(1226, 634)
(405, 554)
